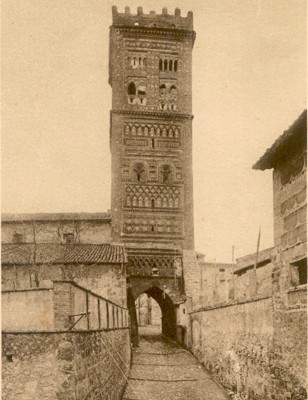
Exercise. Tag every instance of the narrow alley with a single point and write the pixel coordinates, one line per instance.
(162, 370)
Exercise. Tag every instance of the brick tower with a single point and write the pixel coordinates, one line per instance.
(151, 146)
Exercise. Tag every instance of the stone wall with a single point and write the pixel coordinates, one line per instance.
(106, 280)
(65, 366)
(241, 361)
(290, 227)
(262, 348)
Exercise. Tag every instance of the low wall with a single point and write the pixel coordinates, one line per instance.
(235, 344)
(83, 310)
(65, 366)
(27, 310)
(254, 348)
(65, 306)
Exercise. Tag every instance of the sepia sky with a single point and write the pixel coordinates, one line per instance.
(249, 65)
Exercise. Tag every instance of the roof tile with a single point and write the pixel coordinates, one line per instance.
(50, 253)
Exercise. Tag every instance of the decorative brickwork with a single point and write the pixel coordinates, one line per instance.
(146, 196)
(152, 130)
(150, 76)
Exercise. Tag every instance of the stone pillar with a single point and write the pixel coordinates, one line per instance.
(63, 305)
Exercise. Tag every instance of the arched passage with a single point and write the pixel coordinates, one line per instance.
(168, 314)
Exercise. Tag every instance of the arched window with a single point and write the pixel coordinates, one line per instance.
(162, 88)
(166, 173)
(153, 143)
(175, 65)
(152, 203)
(139, 172)
(173, 89)
(170, 65)
(131, 89)
(160, 64)
(165, 65)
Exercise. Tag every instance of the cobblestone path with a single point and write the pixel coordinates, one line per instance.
(162, 370)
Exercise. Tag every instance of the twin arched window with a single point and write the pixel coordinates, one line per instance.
(140, 173)
(136, 95)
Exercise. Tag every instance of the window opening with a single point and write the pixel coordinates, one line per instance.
(160, 64)
(153, 143)
(68, 238)
(301, 266)
(175, 65)
(166, 173)
(139, 172)
(170, 65)
(131, 89)
(18, 238)
(152, 203)
(165, 65)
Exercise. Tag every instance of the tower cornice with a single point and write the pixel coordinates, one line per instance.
(158, 33)
(153, 114)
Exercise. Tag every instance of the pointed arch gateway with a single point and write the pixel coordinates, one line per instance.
(167, 307)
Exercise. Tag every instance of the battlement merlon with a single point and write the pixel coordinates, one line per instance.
(152, 20)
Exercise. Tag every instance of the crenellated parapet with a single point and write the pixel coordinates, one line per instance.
(152, 20)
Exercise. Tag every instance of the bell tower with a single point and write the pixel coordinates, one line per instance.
(151, 148)
(151, 129)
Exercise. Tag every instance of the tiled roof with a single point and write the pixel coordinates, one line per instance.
(82, 216)
(49, 253)
(298, 130)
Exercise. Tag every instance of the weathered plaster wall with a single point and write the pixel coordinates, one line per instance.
(65, 366)
(94, 232)
(105, 280)
(27, 310)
